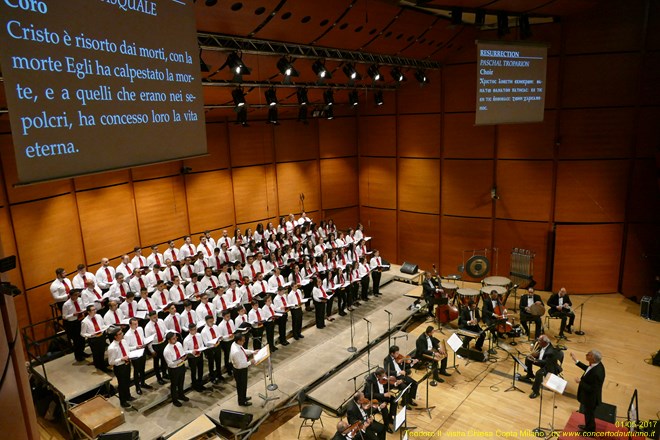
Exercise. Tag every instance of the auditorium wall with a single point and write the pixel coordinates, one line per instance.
(579, 189)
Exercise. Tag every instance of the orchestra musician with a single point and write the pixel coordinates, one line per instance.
(429, 289)
(526, 301)
(488, 314)
(377, 387)
(395, 365)
(358, 411)
(428, 348)
(560, 306)
(547, 358)
(342, 426)
(469, 320)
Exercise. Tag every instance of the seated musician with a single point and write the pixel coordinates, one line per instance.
(429, 288)
(560, 306)
(526, 301)
(547, 358)
(358, 410)
(401, 370)
(428, 349)
(342, 426)
(469, 320)
(377, 387)
(490, 318)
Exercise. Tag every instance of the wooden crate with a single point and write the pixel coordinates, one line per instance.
(96, 416)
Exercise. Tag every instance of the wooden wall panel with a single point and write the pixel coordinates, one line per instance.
(338, 137)
(378, 182)
(377, 135)
(216, 143)
(100, 180)
(533, 236)
(39, 300)
(644, 204)
(587, 249)
(596, 133)
(294, 178)
(251, 145)
(466, 186)
(339, 183)
(419, 135)
(648, 135)
(463, 139)
(460, 95)
(419, 239)
(458, 235)
(650, 78)
(585, 78)
(157, 170)
(380, 224)
(107, 220)
(255, 193)
(419, 185)
(47, 231)
(527, 141)
(642, 250)
(296, 141)
(525, 189)
(591, 191)
(161, 209)
(210, 200)
(344, 218)
(411, 98)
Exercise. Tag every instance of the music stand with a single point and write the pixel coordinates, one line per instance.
(516, 363)
(579, 331)
(454, 343)
(557, 385)
(267, 370)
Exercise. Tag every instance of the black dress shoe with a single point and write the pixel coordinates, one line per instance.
(161, 382)
(248, 398)
(125, 405)
(301, 336)
(245, 404)
(184, 398)
(146, 386)
(296, 337)
(342, 313)
(413, 403)
(130, 398)
(569, 330)
(444, 373)
(284, 343)
(534, 395)
(177, 403)
(274, 349)
(439, 379)
(138, 391)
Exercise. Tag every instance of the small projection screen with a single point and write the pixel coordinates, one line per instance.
(96, 85)
(510, 82)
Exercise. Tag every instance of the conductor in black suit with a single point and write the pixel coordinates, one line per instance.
(427, 347)
(526, 302)
(358, 410)
(590, 388)
(469, 320)
(560, 306)
(547, 358)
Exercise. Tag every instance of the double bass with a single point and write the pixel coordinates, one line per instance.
(444, 313)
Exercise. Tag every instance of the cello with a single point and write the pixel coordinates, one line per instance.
(444, 312)
(504, 326)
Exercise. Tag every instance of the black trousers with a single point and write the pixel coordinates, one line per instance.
(407, 380)
(241, 377)
(226, 348)
(307, 293)
(123, 375)
(72, 329)
(589, 412)
(376, 431)
(138, 371)
(296, 322)
(160, 366)
(351, 294)
(281, 327)
(270, 334)
(196, 365)
(257, 333)
(319, 313)
(328, 306)
(214, 357)
(341, 299)
(565, 315)
(365, 287)
(443, 366)
(525, 318)
(177, 377)
(97, 345)
(375, 274)
(480, 341)
(538, 377)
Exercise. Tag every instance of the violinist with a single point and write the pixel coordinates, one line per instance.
(469, 320)
(377, 389)
(429, 348)
(358, 411)
(560, 306)
(343, 431)
(398, 366)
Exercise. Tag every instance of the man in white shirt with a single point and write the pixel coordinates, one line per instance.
(171, 253)
(155, 257)
(113, 316)
(238, 253)
(177, 292)
(161, 296)
(81, 277)
(227, 331)
(282, 306)
(247, 291)
(215, 261)
(223, 276)
(224, 254)
(105, 276)
(210, 333)
(261, 265)
(205, 308)
(138, 281)
(93, 329)
(249, 270)
(187, 270)
(200, 265)
(210, 239)
(147, 304)
(135, 337)
(194, 288)
(276, 280)
(191, 345)
(175, 358)
(119, 288)
(173, 321)
(92, 295)
(60, 287)
(156, 328)
(138, 260)
(224, 239)
(169, 271)
(129, 307)
(255, 318)
(188, 315)
(376, 264)
(204, 247)
(295, 299)
(188, 249)
(121, 364)
(153, 277)
(209, 280)
(125, 267)
(239, 357)
(73, 313)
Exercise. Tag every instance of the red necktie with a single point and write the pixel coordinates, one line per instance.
(284, 301)
(195, 288)
(121, 347)
(212, 332)
(190, 270)
(156, 275)
(137, 338)
(224, 305)
(227, 277)
(190, 318)
(272, 312)
(66, 287)
(116, 317)
(263, 287)
(242, 255)
(162, 298)
(298, 297)
(143, 261)
(297, 279)
(96, 325)
(229, 329)
(141, 283)
(159, 334)
(97, 295)
(157, 260)
(247, 289)
(208, 309)
(180, 293)
(323, 292)
(176, 350)
(77, 306)
(258, 316)
(261, 265)
(254, 273)
(208, 251)
(217, 262)
(191, 250)
(83, 278)
(233, 295)
(130, 310)
(171, 273)
(107, 274)
(121, 289)
(128, 269)
(212, 282)
(226, 258)
(176, 324)
(279, 283)
(195, 346)
(149, 308)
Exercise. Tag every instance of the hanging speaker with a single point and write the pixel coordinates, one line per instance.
(409, 268)
(235, 419)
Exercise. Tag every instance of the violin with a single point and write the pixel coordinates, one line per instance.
(407, 359)
(385, 380)
(373, 403)
(353, 429)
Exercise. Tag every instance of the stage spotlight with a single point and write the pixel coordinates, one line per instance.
(396, 74)
(239, 97)
(272, 116)
(480, 18)
(302, 96)
(329, 114)
(525, 29)
(350, 72)
(319, 69)
(271, 97)
(502, 24)
(456, 16)
(378, 97)
(235, 63)
(421, 77)
(329, 97)
(204, 68)
(374, 73)
(241, 116)
(286, 67)
(302, 114)
(353, 98)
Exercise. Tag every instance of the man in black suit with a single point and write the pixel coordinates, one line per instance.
(342, 426)
(358, 410)
(560, 306)
(488, 312)
(401, 371)
(469, 320)
(428, 349)
(373, 389)
(526, 302)
(429, 288)
(590, 388)
(547, 358)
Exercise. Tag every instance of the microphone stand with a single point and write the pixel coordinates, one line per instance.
(389, 329)
(579, 331)
(352, 348)
(368, 343)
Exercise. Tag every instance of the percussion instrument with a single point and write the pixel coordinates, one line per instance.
(467, 294)
(497, 281)
(444, 312)
(477, 266)
(537, 309)
(449, 288)
(499, 289)
(468, 333)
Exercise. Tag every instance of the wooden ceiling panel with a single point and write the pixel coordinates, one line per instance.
(439, 35)
(396, 37)
(222, 19)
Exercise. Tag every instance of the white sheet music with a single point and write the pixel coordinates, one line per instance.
(555, 383)
(135, 354)
(454, 342)
(261, 355)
